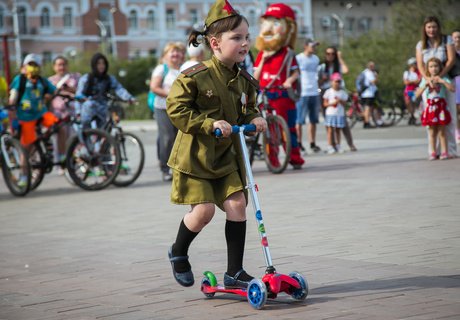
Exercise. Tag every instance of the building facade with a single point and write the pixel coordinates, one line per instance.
(139, 28)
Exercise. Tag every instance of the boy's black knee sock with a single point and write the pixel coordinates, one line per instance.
(235, 234)
(180, 247)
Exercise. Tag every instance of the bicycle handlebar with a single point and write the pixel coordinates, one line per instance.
(235, 129)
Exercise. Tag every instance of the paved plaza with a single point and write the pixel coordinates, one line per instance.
(376, 233)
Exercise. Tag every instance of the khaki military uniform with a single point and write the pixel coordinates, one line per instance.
(201, 95)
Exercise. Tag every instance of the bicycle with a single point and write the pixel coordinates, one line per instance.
(131, 147)
(402, 113)
(92, 158)
(382, 114)
(276, 140)
(13, 160)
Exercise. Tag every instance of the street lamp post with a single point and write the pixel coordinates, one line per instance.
(17, 40)
(103, 30)
(340, 25)
(112, 32)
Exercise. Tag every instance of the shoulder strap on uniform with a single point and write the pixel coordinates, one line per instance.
(194, 69)
(250, 78)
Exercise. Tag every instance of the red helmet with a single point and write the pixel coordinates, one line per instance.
(279, 11)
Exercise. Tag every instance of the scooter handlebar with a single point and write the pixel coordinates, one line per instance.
(235, 129)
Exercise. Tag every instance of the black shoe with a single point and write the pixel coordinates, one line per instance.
(301, 147)
(315, 148)
(185, 279)
(366, 126)
(234, 282)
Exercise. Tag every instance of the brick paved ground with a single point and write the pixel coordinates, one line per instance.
(376, 233)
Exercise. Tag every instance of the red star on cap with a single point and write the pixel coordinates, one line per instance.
(228, 7)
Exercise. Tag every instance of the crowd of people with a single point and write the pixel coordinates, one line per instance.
(322, 91)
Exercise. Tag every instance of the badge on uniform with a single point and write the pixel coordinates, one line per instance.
(209, 93)
(244, 102)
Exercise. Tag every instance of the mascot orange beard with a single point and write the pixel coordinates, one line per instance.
(275, 43)
(276, 34)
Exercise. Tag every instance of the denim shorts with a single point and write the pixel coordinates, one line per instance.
(308, 105)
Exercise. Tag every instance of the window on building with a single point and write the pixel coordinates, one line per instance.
(47, 56)
(68, 18)
(252, 17)
(2, 18)
(104, 17)
(132, 20)
(365, 24)
(45, 18)
(151, 20)
(194, 16)
(350, 24)
(170, 19)
(382, 23)
(22, 19)
(152, 53)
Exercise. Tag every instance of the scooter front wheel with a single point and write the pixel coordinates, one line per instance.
(257, 293)
(302, 292)
(205, 283)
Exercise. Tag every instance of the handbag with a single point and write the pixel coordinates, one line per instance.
(151, 96)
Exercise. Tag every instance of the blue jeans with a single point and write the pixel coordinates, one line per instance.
(308, 105)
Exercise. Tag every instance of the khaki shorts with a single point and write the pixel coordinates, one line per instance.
(187, 189)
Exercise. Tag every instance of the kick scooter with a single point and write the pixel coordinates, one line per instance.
(272, 282)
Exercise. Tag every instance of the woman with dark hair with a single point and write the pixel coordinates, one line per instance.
(93, 88)
(334, 63)
(435, 44)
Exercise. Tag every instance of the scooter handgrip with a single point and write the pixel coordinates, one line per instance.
(235, 129)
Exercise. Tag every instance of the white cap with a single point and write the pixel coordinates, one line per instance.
(32, 57)
(411, 61)
(195, 51)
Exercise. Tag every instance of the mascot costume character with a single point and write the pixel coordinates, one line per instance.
(277, 70)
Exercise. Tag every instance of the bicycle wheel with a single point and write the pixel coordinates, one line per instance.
(94, 160)
(132, 159)
(37, 165)
(277, 143)
(383, 115)
(14, 165)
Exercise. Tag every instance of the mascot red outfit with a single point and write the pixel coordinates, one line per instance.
(276, 67)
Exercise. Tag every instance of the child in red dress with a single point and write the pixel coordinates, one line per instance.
(435, 114)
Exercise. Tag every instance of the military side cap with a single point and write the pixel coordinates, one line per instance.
(221, 9)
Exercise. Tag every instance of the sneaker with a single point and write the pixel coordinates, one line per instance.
(237, 280)
(22, 182)
(315, 148)
(302, 148)
(339, 149)
(444, 156)
(366, 125)
(166, 176)
(353, 148)
(124, 169)
(331, 150)
(432, 156)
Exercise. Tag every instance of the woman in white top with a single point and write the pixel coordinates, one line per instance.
(435, 44)
(161, 81)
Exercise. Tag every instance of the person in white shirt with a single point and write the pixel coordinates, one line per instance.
(309, 102)
(163, 76)
(195, 56)
(334, 100)
(368, 96)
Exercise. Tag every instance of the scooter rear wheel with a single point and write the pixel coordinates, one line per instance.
(302, 292)
(257, 293)
(206, 283)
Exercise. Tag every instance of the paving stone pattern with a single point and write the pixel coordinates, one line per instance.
(376, 234)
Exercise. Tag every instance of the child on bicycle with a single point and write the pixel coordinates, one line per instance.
(435, 113)
(207, 171)
(93, 88)
(334, 100)
(29, 92)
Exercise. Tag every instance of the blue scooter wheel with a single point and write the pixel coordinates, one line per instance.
(257, 293)
(206, 283)
(302, 292)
